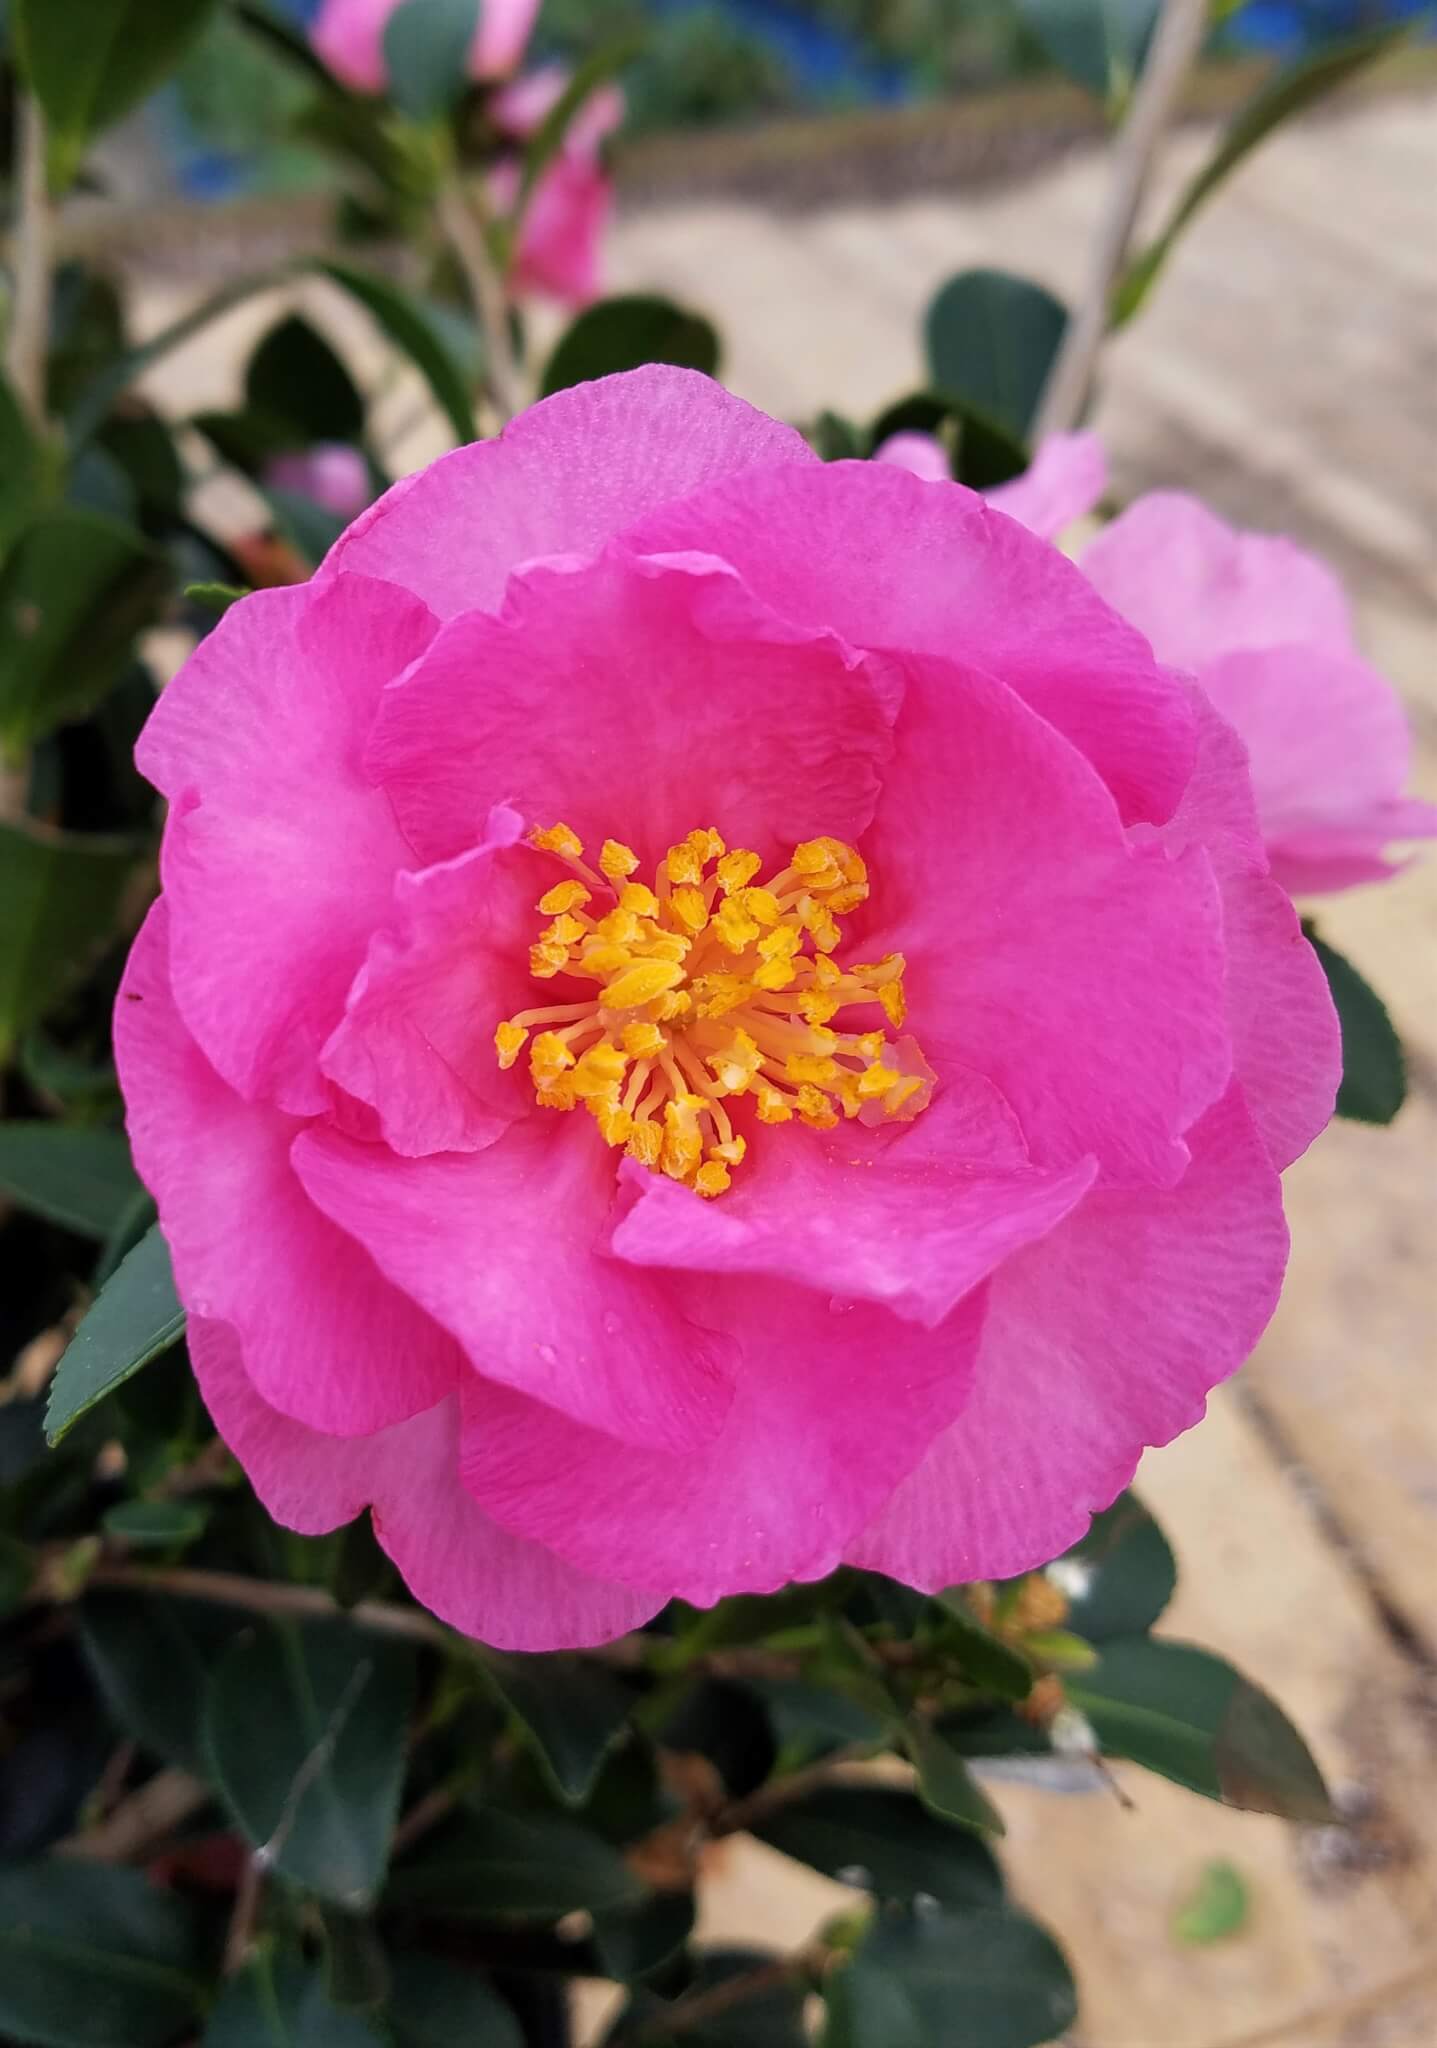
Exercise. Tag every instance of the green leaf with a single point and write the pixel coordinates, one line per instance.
(504, 1866)
(625, 333)
(1374, 1073)
(1120, 1577)
(82, 1179)
(92, 1957)
(95, 397)
(439, 2005)
(987, 1661)
(127, 1638)
(89, 61)
(136, 1316)
(884, 1841)
(1216, 1908)
(1189, 1716)
(22, 467)
(305, 1728)
(279, 2001)
(1100, 43)
(631, 1946)
(932, 1980)
(945, 1784)
(60, 896)
(17, 1572)
(415, 330)
(357, 1976)
(572, 1710)
(156, 1524)
(74, 591)
(214, 597)
(296, 378)
(991, 339)
(426, 54)
(1291, 90)
(772, 2019)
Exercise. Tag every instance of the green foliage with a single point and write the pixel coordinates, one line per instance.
(1217, 1908)
(80, 1179)
(426, 44)
(623, 334)
(1374, 1073)
(991, 340)
(993, 1972)
(1100, 43)
(886, 1842)
(136, 1317)
(60, 896)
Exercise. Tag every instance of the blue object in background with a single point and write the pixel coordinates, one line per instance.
(1290, 27)
(826, 61)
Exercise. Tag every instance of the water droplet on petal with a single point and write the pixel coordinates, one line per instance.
(547, 1353)
(839, 1307)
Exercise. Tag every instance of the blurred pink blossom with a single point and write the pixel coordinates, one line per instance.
(348, 36)
(569, 211)
(331, 474)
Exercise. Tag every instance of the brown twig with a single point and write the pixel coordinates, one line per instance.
(239, 1938)
(139, 1823)
(698, 2007)
(32, 261)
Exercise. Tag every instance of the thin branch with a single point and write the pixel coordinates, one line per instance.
(698, 2007)
(463, 221)
(742, 1814)
(1176, 42)
(139, 1822)
(262, 1596)
(239, 1938)
(33, 261)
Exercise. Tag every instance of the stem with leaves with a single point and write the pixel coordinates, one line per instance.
(1176, 42)
(464, 222)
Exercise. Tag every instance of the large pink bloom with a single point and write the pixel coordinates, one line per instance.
(932, 1318)
(1267, 631)
(348, 35)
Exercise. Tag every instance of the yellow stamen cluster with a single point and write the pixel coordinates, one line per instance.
(711, 985)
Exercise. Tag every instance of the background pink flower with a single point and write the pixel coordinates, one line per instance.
(348, 35)
(571, 206)
(332, 475)
(569, 1386)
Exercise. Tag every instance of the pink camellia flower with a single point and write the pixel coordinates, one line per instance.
(1267, 631)
(711, 1014)
(332, 475)
(348, 36)
(572, 204)
(1066, 478)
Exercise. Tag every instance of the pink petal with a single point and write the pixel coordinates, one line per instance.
(527, 103)
(1286, 1048)
(504, 1249)
(331, 475)
(1082, 975)
(455, 1561)
(279, 858)
(562, 234)
(922, 455)
(563, 478)
(325, 1339)
(1065, 480)
(502, 37)
(417, 1038)
(943, 575)
(912, 1217)
(635, 699)
(348, 36)
(832, 1406)
(1104, 1338)
(1199, 589)
(1330, 752)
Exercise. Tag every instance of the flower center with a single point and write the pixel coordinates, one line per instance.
(712, 986)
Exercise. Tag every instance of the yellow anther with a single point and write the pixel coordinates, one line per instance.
(817, 1009)
(826, 973)
(599, 1072)
(774, 1107)
(895, 1003)
(645, 1143)
(615, 1123)
(781, 943)
(877, 1081)
(689, 907)
(564, 931)
(902, 1093)
(674, 1003)
(762, 905)
(707, 844)
(804, 1066)
(736, 869)
(545, 961)
(776, 974)
(842, 901)
(640, 983)
(548, 1057)
(563, 896)
(733, 1152)
(509, 1040)
(682, 863)
(617, 860)
(816, 1110)
(638, 900)
(712, 1178)
(736, 1065)
(561, 839)
(735, 928)
(641, 1041)
(601, 959)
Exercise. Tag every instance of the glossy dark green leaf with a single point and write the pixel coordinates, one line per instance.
(504, 1866)
(572, 1709)
(1120, 1577)
(773, 2018)
(22, 467)
(416, 330)
(279, 2001)
(810, 1720)
(1374, 1073)
(80, 1178)
(835, 439)
(129, 1227)
(1100, 43)
(98, 392)
(136, 1316)
(633, 1945)
(93, 1957)
(981, 1979)
(90, 61)
(156, 1524)
(991, 339)
(75, 590)
(129, 1637)
(143, 445)
(1189, 1716)
(60, 897)
(306, 1728)
(625, 333)
(723, 1720)
(357, 1976)
(295, 376)
(214, 597)
(435, 2004)
(426, 54)
(884, 1841)
(1288, 92)
(17, 1573)
(986, 1660)
(945, 1784)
